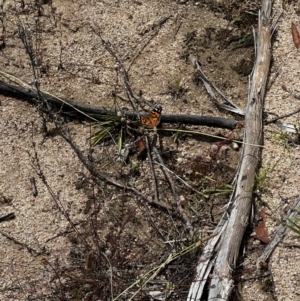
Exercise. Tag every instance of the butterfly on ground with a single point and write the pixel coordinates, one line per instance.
(151, 119)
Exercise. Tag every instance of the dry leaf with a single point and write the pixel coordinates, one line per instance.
(261, 230)
(284, 87)
(296, 36)
(142, 149)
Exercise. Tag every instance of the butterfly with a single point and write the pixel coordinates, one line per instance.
(152, 119)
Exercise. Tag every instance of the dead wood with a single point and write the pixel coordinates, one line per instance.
(99, 177)
(280, 233)
(234, 222)
(29, 249)
(78, 110)
(7, 217)
(210, 87)
(273, 120)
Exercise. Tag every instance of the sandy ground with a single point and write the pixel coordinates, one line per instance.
(40, 244)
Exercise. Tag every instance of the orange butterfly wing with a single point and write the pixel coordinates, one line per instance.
(152, 119)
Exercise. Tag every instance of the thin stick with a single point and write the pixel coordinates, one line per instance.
(30, 250)
(99, 176)
(155, 189)
(208, 84)
(155, 29)
(283, 116)
(166, 173)
(177, 199)
(281, 231)
(110, 48)
(7, 217)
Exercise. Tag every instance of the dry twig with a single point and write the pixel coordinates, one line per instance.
(210, 87)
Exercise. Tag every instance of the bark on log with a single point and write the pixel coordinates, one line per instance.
(234, 228)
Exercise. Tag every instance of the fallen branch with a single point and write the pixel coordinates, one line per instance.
(210, 87)
(233, 229)
(74, 109)
(7, 217)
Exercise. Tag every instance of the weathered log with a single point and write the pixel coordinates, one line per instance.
(234, 222)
